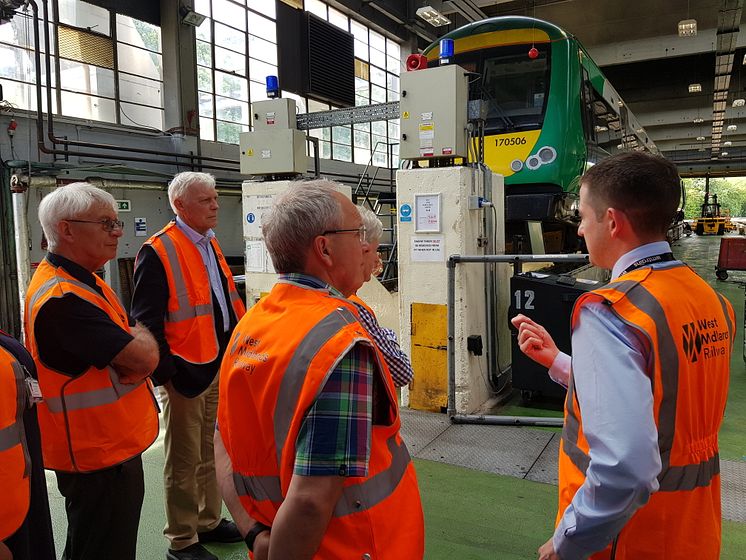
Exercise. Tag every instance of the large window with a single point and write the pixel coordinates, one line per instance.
(105, 66)
(236, 51)
(377, 64)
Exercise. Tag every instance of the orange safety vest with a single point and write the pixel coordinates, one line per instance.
(190, 316)
(356, 299)
(15, 463)
(691, 330)
(91, 421)
(277, 362)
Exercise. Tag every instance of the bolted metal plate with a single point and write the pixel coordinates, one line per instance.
(545, 468)
(420, 428)
(496, 449)
(733, 481)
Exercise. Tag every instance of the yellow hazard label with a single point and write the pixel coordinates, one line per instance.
(405, 115)
(249, 152)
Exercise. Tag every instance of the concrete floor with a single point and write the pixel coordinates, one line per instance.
(489, 492)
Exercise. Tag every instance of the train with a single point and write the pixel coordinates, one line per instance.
(550, 114)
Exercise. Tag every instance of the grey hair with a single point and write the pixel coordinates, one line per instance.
(68, 202)
(373, 225)
(181, 182)
(305, 210)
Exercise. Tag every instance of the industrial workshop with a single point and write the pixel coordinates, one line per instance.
(372, 279)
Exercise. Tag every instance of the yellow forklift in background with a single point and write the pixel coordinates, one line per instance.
(710, 221)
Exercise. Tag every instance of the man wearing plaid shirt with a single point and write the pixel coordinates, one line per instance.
(308, 438)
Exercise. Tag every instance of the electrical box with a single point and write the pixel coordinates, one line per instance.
(273, 152)
(434, 105)
(548, 299)
(273, 114)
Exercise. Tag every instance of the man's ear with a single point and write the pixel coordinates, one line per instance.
(322, 249)
(64, 231)
(179, 204)
(618, 222)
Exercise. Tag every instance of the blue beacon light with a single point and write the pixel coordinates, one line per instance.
(273, 87)
(446, 51)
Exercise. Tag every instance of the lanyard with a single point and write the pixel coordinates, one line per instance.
(663, 257)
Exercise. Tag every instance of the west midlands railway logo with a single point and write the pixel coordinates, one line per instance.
(700, 338)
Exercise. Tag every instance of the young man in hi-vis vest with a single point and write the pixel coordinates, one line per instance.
(647, 383)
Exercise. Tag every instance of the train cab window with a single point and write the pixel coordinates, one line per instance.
(515, 87)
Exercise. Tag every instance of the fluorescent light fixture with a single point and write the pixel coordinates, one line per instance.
(723, 154)
(731, 128)
(740, 102)
(695, 88)
(700, 138)
(432, 16)
(727, 143)
(698, 120)
(688, 28)
(190, 17)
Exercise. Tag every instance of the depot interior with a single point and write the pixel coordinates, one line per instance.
(466, 150)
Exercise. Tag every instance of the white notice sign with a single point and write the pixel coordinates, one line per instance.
(255, 206)
(427, 213)
(428, 249)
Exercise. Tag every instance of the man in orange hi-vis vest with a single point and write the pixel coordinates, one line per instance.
(184, 292)
(647, 384)
(98, 412)
(311, 461)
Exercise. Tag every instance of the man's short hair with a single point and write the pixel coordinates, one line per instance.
(68, 202)
(181, 182)
(646, 187)
(304, 211)
(373, 225)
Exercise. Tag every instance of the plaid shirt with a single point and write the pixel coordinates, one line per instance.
(334, 438)
(398, 362)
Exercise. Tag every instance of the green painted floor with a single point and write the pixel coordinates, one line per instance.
(473, 515)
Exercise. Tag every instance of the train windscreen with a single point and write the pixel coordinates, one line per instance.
(515, 88)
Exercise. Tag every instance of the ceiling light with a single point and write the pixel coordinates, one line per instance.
(723, 153)
(698, 120)
(739, 102)
(727, 143)
(731, 128)
(700, 138)
(600, 128)
(695, 88)
(688, 28)
(432, 16)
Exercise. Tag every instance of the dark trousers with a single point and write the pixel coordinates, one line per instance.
(103, 511)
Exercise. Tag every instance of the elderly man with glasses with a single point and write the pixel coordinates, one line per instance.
(311, 461)
(98, 413)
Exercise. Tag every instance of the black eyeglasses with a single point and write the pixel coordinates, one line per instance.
(106, 223)
(361, 231)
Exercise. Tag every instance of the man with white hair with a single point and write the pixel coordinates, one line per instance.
(311, 459)
(98, 414)
(184, 292)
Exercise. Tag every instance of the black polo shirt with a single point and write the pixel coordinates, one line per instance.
(71, 333)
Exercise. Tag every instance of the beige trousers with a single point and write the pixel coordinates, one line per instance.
(193, 501)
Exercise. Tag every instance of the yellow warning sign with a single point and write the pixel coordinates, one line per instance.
(249, 152)
(405, 115)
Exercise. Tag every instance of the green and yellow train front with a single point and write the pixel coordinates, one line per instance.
(531, 83)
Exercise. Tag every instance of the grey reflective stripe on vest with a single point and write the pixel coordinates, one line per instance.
(259, 488)
(731, 333)
(676, 478)
(185, 310)
(91, 399)
(570, 432)
(46, 286)
(234, 296)
(295, 374)
(354, 499)
(15, 434)
(378, 487)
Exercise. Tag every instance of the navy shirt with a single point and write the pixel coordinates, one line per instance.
(73, 334)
